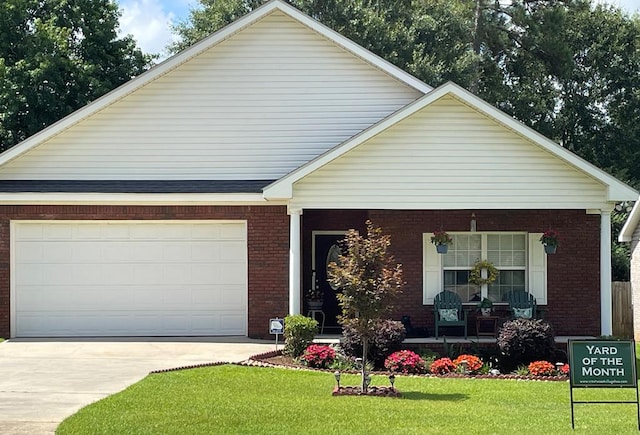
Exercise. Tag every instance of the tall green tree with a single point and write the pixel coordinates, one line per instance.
(55, 57)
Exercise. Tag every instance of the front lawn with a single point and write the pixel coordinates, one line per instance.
(233, 399)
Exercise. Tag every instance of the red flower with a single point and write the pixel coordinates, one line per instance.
(405, 361)
(541, 368)
(550, 238)
(319, 356)
(443, 366)
(473, 362)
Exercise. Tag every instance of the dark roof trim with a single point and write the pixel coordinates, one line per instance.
(133, 186)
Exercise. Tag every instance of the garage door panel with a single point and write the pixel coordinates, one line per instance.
(231, 296)
(149, 274)
(128, 279)
(230, 324)
(231, 231)
(229, 273)
(57, 232)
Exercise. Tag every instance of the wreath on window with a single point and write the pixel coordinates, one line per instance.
(475, 277)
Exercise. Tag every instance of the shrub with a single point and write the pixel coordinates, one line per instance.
(405, 361)
(299, 332)
(541, 368)
(522, 341)
(387, 339)
(474, 364)
(442, 366)
(319, 356)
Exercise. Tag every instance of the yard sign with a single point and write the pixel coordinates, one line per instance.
(602, 364)
(276, 326)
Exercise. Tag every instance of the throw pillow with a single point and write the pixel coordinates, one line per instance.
(448, 314)
(522, 313)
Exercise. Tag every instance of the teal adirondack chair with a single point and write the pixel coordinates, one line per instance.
(522, 305)
(448, 311)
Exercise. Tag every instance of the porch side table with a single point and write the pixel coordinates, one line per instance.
(487, 325)
(313, 314)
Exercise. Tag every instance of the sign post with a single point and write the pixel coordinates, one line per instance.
(602, 364)
(276, 326)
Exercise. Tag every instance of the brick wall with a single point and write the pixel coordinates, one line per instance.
(573, 293)
(573, 273)
(268, 248)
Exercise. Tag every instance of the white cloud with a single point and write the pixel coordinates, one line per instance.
(149, 24)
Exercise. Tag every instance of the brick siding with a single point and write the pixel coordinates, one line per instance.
(573, 293)
(268, 248)
(573, 286)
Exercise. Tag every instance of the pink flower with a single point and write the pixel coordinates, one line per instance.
(319, 356)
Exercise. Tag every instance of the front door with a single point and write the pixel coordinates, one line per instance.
(325, 250)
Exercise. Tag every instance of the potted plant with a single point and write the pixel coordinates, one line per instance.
(550, 239)
(313, 298)
(442, 240)
(485, 306)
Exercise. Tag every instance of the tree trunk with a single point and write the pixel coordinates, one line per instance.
(365, 342)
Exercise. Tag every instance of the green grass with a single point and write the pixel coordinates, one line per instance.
(250, 400)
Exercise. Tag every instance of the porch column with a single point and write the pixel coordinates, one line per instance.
(294, 260)
(606, 317)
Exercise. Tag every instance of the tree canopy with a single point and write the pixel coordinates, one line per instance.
(55, 57)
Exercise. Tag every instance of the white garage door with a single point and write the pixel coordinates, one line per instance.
(116, 278)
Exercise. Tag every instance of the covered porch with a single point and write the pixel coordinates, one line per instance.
(568, 285)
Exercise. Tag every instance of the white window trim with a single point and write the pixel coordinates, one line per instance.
(535, 268)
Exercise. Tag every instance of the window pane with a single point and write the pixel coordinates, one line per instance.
(509, 250)
(493, 243)
(464, 251)
(508, 280)
(448, 260)
(457, 281)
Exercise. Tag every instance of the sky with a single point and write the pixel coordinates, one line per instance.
(150, 21)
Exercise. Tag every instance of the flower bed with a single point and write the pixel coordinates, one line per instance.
(277, 359)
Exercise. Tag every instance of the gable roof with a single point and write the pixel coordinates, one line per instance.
(616, 190)
(630, 226)
(198, 48)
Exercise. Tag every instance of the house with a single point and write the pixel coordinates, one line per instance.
(206, 195)
(631, 233)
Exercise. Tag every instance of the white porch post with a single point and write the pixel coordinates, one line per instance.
(606, 317)
(294, 260)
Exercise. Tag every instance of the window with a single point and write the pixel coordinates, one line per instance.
(518, 256)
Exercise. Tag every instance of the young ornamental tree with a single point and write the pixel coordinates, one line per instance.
(370, 282)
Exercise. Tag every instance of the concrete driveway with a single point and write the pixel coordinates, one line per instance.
(44, 381)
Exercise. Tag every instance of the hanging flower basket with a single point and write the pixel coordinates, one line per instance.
(442, 240)
(475, 277)
(550, 239)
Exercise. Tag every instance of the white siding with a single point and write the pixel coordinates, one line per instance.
(448, 156)
(256, 106)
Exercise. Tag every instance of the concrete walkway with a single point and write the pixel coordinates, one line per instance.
(44, 381)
